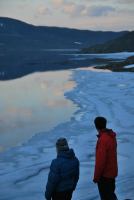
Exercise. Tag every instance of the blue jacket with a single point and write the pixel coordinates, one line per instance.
(64, 173)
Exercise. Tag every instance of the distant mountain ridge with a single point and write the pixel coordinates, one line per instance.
(18, 34)
(123, 43)
(25, 48)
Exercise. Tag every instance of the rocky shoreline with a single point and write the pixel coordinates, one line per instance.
(118, 66)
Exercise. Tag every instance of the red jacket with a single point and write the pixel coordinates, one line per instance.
(106, 155)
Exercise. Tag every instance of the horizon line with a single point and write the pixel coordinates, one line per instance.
(54, 26)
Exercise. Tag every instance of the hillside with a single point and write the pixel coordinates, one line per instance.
(18, 34)
(123, 43)
(25, 48)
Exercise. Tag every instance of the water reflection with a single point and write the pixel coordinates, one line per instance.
(33, 104)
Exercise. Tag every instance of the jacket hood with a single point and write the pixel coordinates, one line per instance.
(69, 154)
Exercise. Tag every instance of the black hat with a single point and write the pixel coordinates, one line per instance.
(62, 144)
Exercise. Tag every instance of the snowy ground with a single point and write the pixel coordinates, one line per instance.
(24, 170)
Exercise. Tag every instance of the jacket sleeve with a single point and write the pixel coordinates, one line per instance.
(53, 179)
(101, 151)
(77, 173)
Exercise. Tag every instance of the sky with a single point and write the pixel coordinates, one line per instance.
(115, 15)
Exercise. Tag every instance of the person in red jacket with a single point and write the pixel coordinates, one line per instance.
(106, 167)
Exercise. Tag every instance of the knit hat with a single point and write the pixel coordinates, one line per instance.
(62, 144)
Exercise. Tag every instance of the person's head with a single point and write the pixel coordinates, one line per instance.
(100, 123)
(62, 145)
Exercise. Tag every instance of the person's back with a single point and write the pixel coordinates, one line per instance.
(106, 155)
(64, 173)
(106, 168)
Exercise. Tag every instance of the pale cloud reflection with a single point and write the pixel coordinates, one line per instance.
(63, 88)
(58, 92)
(24, 112)
(58, 103)
(1, 148)
(45, 84)
(33, 104)
(69, 85)
(13, 118)
(52, 84)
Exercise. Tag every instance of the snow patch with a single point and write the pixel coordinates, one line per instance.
(129, 66)
(114, 56)
(78, 43)
(1, 24)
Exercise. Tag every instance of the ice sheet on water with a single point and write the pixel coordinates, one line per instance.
(114, 56)
(24, 170)
(129, 66)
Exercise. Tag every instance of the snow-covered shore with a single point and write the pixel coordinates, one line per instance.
(24, 170)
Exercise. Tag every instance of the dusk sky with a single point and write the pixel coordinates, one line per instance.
(82, 14)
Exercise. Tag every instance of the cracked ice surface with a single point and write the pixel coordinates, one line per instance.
(24, 170)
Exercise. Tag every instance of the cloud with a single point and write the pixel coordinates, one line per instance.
(126, 1)
(74, 10)
(97, 11)
(92, 11)
(69, 7)
(58, 3)
(79, 10)
(43, 10)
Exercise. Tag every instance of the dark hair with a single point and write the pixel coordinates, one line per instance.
(100, 123)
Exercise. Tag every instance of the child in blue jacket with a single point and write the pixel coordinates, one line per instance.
(64, 173)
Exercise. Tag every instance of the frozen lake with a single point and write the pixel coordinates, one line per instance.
(24, 169)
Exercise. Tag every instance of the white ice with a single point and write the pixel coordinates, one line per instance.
(115, 56)
(77, 42)
(129, 66)
(24, 170)
(1, 24)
